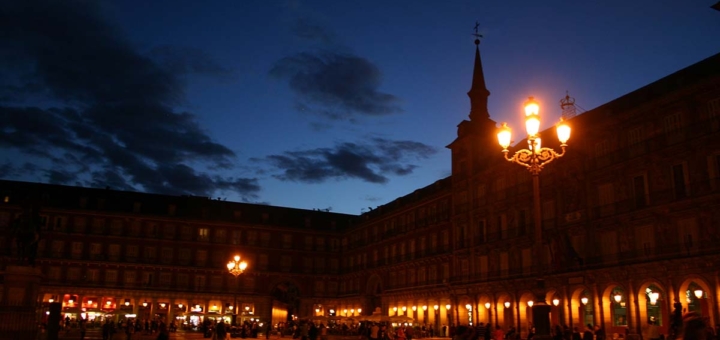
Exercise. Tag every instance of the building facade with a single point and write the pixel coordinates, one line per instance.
(630, 221)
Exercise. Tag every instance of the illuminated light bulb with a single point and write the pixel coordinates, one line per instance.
(563, 131)
(504, 136)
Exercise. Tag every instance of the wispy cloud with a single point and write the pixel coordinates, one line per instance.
(371, 161)
(331, 82)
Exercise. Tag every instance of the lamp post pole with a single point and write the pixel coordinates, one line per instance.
(236, 267)
(534, 159)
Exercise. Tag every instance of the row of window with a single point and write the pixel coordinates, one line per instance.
(129, 278)
(177, 255)
(142, 228)
(419, 217)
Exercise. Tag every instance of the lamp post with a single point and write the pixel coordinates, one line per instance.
(236, 267)
(487, 306)
(449, 317)
(534, 159)
(437, 319)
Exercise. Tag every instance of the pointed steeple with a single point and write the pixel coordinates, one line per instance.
(478, 92)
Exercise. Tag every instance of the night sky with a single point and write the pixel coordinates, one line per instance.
(339, 105)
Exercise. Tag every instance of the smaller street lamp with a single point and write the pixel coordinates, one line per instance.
(698, 293)
(530, 303)
(584, 300)
(556, 302)
(507, 304)
(236, 267)
(617, 297)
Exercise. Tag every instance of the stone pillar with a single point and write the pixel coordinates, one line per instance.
(18, 302)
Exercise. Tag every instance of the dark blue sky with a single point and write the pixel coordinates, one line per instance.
(307, 104)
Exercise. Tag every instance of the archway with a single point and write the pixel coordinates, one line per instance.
(288, 296)
(527, 301)
(614, 300)
(505, 311)
(653, 304)
(557, 313)
(583, 304)
(696, 295)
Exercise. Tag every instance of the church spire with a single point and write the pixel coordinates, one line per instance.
(478, 92)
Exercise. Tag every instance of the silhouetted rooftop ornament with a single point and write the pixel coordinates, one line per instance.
(567, 105)
(476, 34)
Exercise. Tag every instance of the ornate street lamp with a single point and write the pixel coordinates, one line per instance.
(236, 267)
(698, 293)
(534, 158)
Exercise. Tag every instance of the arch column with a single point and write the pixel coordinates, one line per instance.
(714, 300)
(598, 315)
(568, 307)
(634, 322)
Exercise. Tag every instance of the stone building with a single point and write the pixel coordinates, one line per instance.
(630, 225)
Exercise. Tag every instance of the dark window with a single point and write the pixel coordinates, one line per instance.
(639, 191)
(678, 173)
(522, 227)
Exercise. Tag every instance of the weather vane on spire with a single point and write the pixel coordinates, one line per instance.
(476, 34)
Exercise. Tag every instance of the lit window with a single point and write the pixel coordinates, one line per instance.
(203, 234)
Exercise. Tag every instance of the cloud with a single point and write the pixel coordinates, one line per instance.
(332, 82)
(372, 161)
(92, 109)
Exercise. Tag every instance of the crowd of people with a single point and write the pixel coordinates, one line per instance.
(124, 329)
(693, 327)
